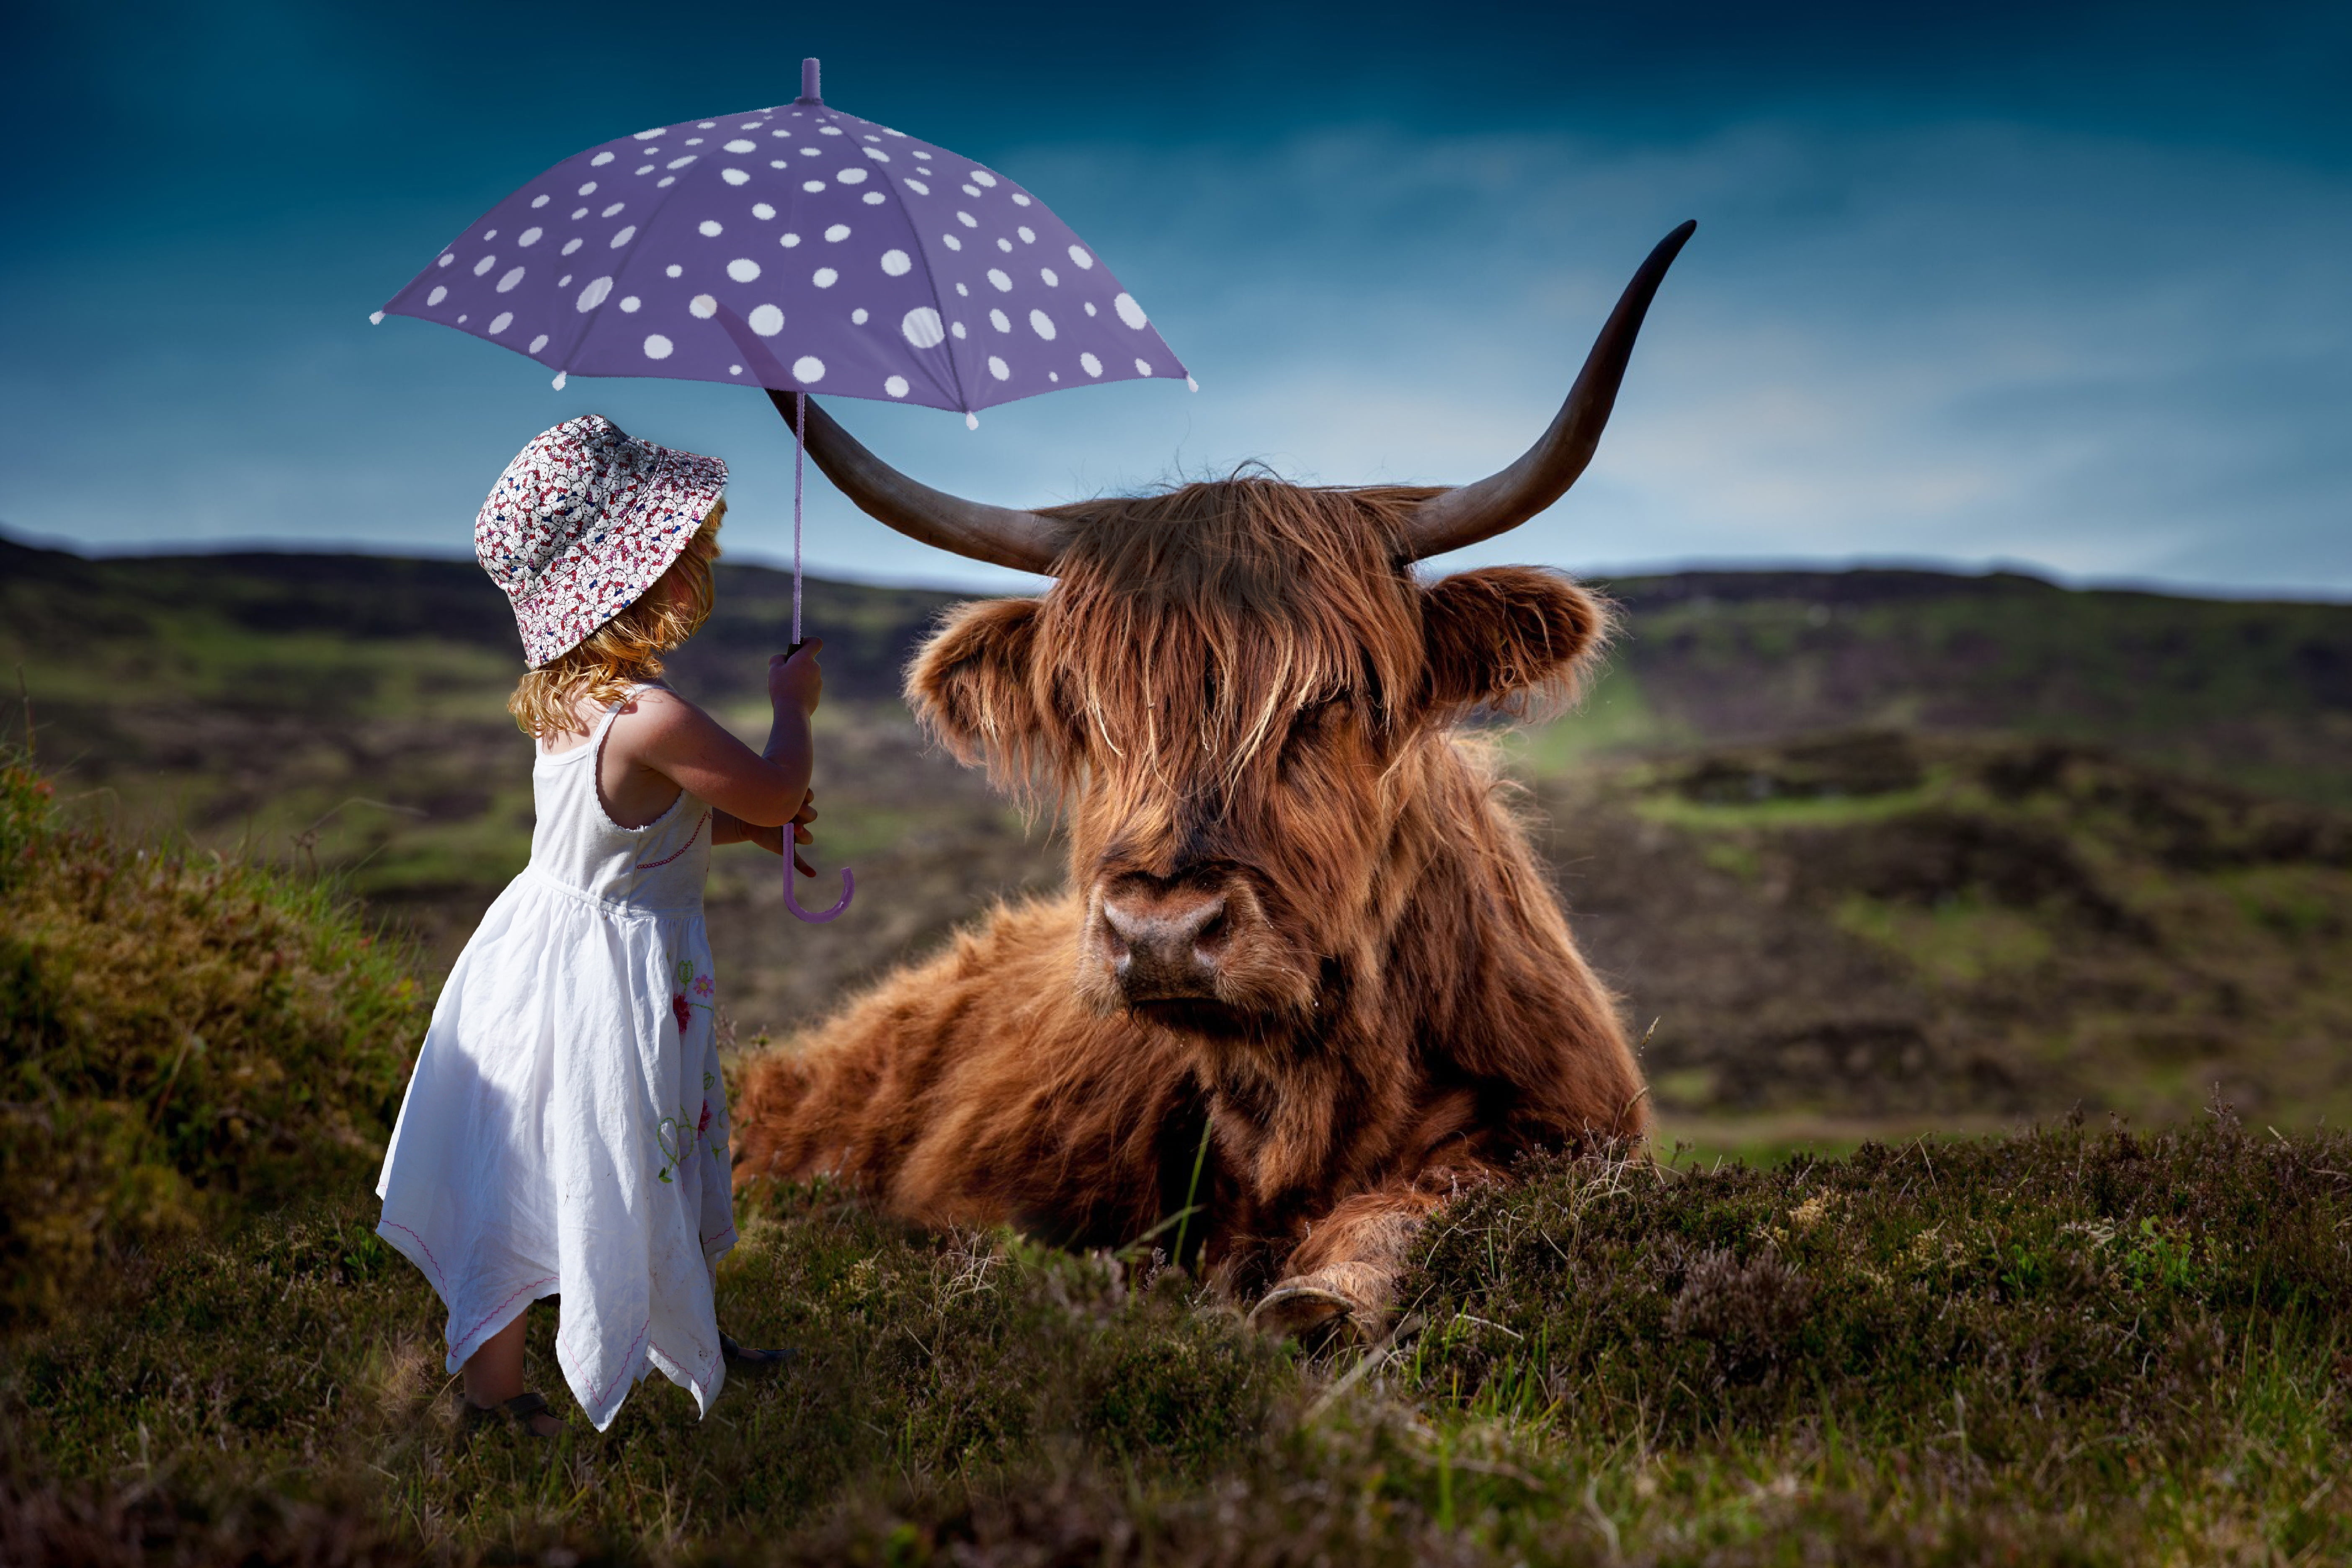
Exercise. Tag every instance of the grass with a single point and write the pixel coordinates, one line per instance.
(2078, 1344)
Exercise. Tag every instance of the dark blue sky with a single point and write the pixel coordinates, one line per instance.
(2065, 286)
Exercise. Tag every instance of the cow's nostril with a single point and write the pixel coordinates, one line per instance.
(1160, 949)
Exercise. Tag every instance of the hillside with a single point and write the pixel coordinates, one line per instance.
(1874, 848)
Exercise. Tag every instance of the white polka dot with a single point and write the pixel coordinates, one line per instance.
(740, 145)
(1144, 367)
(734, 370)
(858, 317)
(595, 293)
(649, 135)
(851, 176)
(828, 130)
(538, 201)
(588, 189)
(501, 321)
(1019, 200)
(1090, 364)
(999, 320)
(513, 276)
(778, 164)
(735, 176)
(1004, 284)
(1047, 274)
(1080, 258)
(808, 151)
(812, 187)
(876, 153)
(665, 182)
(963, 290)
(564, 281)
(1042, 324)
(920, 188)
(808, 368)
(999, 369)
(579, 213)
(529, 237)
(1129, 311)
(762, 210)
(484, 265)
(824, 277)
(625, 236)
(766, 321)
(1005, 245)
(629, 304)
(952, 242)
(873, 199)
(786, 134)
(679, 162)
(955, 327)
(920, 153)
(539, 342)
(656, 346)
(1090, 308)
(1054, 375)
(837, 233)
(703, 307)
(789, 241)
(972, 190)
(920, 327)
(1028, 235)
(895, 263)
(983, 177)
(570, 246)
(966, 219)
(897, 386)
(674, 270)
(613, 209)
(705, 125)
(437, 295)
(445, 260)
(644, 169)
(711, 229)
(461, 321)
(743, 269)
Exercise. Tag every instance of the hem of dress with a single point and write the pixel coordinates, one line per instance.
(464, 1343)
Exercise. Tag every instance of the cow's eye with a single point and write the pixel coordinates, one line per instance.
(1316, 719)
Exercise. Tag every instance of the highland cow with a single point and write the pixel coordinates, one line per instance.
(1309, 979)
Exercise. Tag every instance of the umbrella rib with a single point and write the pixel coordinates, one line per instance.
(931, 281)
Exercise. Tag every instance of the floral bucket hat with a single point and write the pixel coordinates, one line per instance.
(584, 522)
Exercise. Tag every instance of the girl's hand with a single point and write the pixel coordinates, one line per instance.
(732, 830)
(795, 680)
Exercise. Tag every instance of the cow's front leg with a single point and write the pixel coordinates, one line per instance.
(1343, 1277)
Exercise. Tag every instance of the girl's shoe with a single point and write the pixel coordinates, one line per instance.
(524, 1410)
(745, 1359)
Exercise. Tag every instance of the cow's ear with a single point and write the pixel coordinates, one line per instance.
(1508, 638)
(970, 684)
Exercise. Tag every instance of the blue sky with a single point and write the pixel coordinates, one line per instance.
(2068, 287)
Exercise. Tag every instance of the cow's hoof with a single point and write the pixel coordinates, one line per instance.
(1293, 1311)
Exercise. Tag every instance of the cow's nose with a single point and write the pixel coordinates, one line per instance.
(1164, 949)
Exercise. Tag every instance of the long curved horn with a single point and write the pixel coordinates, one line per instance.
(1001, 535)
(1502, 501)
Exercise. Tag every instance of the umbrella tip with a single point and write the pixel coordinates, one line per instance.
(561, 376)
(971, 421)
(375, 317)
(1191, 382)
(808, 82)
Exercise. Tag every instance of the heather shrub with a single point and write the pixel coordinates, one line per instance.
(183, 1037)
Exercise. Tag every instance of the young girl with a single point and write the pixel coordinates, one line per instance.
(565, 1130)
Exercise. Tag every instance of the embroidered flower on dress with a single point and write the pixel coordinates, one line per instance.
(683, 1011)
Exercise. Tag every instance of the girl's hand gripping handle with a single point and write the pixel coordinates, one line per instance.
(795, 683)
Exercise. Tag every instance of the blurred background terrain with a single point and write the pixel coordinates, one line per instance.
(1875, 850)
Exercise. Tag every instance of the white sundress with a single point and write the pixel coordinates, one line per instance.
(565, 1130)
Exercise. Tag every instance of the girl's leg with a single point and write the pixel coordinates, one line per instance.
(493, 1374)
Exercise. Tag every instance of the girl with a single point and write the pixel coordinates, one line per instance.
(565, 1130)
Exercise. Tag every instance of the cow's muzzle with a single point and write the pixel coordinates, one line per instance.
(1163, 944)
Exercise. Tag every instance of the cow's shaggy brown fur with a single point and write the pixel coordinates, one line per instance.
(1237, 692)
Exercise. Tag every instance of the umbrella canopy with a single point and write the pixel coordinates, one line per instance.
(864, 262)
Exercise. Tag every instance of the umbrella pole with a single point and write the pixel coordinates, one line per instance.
(800, 457)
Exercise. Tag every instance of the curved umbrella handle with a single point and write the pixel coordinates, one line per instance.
(848, 885)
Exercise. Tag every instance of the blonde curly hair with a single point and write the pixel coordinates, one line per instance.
(625, 650)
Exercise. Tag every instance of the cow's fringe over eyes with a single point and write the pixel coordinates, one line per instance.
(1192, 627)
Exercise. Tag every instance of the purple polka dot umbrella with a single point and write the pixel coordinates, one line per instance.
(795, 248)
